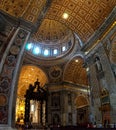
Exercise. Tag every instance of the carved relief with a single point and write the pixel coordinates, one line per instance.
(55, 72)
(3, 99)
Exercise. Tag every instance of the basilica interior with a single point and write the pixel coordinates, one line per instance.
(57, 63)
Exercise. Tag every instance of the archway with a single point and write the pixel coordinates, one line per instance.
(105, 106)
(82, 106)
(28, 75)
(75, 72)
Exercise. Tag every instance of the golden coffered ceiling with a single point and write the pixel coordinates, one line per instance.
(85, 16)
(26, 9)
(28, 75)
(52, 32)
(75, 72)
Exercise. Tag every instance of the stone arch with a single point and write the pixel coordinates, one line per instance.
(82, 107)
(73, 69)
(105, 105)
(28, 75)
(81, 101)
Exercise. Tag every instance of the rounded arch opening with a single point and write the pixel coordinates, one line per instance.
(29, 74)
(82, 106)
(81, 101)
(75, 72)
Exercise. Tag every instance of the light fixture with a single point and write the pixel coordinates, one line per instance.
(87, 69)
(76, 60)
(86, 52)
(65, 15)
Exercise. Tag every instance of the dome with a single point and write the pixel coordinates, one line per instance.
(52, 40)
(52, 32)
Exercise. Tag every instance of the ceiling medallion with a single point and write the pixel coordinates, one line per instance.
(65, 16)
(14, 50)
(55, 72)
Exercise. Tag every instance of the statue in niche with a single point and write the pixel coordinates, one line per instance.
(98, 64)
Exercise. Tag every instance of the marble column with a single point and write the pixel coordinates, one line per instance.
(9, 72)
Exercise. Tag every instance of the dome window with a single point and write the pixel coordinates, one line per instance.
(63, 48)
(55, 52)
(29, 46)
(36, 50)
(46, 52)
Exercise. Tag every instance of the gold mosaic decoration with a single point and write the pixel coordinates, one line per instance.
(15, 8)
(85, 16)
(28, 75)
(34, 10)
(75, 73)
(27, 9)
(52, 32)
